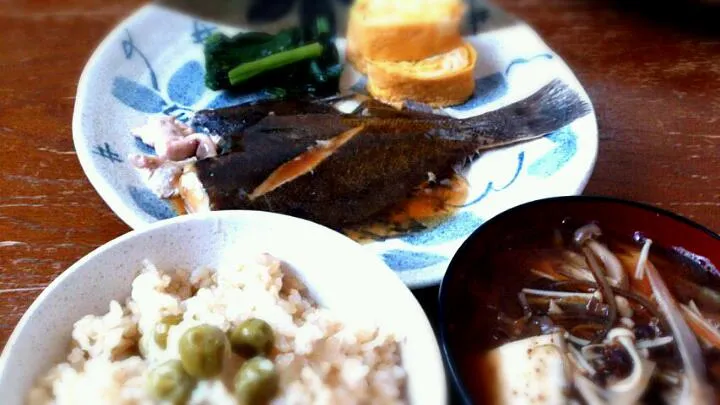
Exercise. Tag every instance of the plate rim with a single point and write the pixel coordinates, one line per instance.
(104, 189)
(415, 278)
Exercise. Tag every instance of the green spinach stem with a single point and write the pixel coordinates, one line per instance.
(247, 70)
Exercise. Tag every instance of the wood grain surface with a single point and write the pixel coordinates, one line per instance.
(653, 73)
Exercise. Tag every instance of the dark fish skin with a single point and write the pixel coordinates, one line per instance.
(377, 109)
(230, 120)
(379, 166)
(388, 162)
(263, 147)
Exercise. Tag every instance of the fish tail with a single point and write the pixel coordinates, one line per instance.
(549, 109)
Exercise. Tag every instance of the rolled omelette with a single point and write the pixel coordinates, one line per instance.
(352, 48)
(402, 30)
(441, 80)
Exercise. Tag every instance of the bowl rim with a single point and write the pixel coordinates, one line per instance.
(450, 363)
(402, 292)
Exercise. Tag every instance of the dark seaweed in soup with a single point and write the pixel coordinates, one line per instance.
(571, 280)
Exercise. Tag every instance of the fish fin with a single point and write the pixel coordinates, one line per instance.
(417, 107)
(549, 109)
(268, 202)
(337, 97)
(459, 171)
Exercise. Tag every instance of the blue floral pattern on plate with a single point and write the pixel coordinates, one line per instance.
(150, 203)
(144, 87)
(565, 147)
(405, 260)
(457, 227)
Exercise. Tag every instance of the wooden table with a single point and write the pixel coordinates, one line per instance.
(653, 73)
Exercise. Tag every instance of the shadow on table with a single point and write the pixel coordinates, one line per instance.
(697, 16)
(272, 15)
(428, 298)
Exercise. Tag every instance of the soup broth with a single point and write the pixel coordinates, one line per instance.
(586, 287)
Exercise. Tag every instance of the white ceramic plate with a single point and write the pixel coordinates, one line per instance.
(152, 64)
(338, 272)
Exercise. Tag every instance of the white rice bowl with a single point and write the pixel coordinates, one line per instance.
(356, 335)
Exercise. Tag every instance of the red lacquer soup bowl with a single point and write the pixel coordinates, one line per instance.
(475, 267)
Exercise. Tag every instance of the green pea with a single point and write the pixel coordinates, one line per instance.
(252, 337)
(256, 382)
(163, 327)
(170, 382)
(202, 349)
